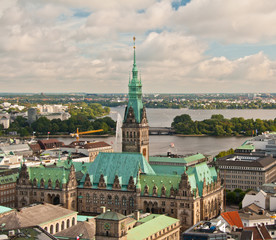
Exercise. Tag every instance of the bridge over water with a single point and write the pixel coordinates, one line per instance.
(161, 131)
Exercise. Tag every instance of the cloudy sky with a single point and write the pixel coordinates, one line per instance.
(183, 46)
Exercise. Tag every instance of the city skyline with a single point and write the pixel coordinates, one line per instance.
(182, 46)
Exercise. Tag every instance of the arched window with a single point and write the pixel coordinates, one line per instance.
(68, 223)
(73, 221)
(51, 229)
(95, 201)
(62, 225)
(46, 229)
(102, 199)
(57, 227)
(117, 203)
(131, 202)
(124, 201)
(109, 200)
(42, 183)
(34, 182)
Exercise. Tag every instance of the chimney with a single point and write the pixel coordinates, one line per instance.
(103, 209)
(137, 215)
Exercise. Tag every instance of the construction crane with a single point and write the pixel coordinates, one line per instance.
(77, 134)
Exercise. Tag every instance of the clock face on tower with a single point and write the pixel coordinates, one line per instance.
(106, 226)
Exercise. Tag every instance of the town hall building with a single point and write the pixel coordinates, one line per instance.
(126, 182)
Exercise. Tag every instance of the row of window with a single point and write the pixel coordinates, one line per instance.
(11, 185)
(245, 177)
(62, 227)
(6, 192)
(7, 199)
(94, 199)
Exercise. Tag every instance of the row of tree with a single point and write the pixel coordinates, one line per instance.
(56, 126)
(219, 126)
(235, 197)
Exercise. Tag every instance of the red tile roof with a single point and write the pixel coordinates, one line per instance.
(233, 218)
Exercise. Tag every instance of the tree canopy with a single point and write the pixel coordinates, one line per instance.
(220, 126)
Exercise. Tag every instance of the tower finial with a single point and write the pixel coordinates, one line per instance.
(134, 55)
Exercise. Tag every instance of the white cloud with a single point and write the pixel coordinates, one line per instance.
(229, 21)
(44, 47)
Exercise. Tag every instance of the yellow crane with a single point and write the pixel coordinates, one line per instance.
(77, 134)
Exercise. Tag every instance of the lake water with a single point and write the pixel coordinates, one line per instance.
(186, 145)
(159, 117)
(182, 145)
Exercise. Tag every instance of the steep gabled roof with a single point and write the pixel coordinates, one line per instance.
(233, 218)
(159, 181)
(124, 165)
(198, 173)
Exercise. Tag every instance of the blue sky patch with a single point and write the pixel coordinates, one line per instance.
(178, 3)
(80, 13)
(234, 51)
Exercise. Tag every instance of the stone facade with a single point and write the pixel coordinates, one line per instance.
(59, 187)
(8, 188)
(136, 135)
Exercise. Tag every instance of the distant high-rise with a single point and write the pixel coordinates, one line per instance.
(135, 125)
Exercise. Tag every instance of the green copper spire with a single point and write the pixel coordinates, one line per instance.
(135, 91)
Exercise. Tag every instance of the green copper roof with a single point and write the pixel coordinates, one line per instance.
(8, 178)
(155, 225)
(124, 165)
(159, 181)
(54, 173)
(108, 215)
(5, 209)
(82, 218)
(81, 167)
(148, 218)
(135, 94)
(167, 170)
(185, 160)
(246, 147)
(194, 158)
(197, 174)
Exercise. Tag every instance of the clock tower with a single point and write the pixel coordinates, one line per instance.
(135, 125)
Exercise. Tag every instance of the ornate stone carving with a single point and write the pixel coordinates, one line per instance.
(87, 181)
(102, 183)
(131, 185)
(154, 190)
(146, 190)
